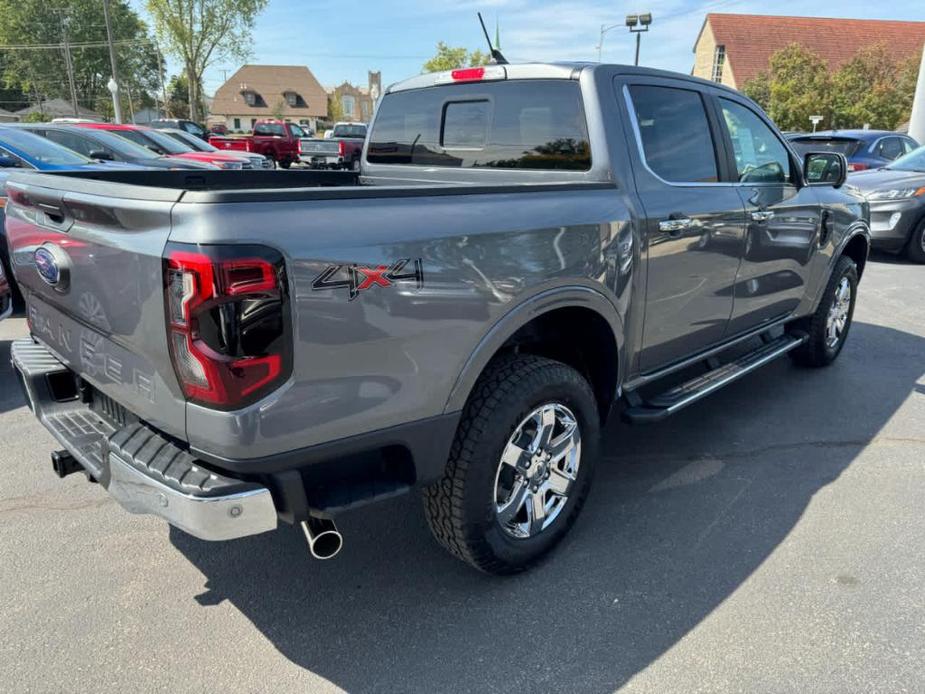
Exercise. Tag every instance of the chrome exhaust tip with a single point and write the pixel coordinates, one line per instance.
(324, 540)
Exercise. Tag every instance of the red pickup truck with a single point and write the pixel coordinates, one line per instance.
(275, 139)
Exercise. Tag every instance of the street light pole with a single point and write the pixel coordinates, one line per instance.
(114, 80)
(600, 44)
(637, 24)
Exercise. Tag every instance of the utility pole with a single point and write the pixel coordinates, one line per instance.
(68, 64)
(114, 81)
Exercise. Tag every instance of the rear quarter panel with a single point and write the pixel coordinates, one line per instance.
(393, 354)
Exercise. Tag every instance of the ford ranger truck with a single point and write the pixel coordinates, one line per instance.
(526, 248)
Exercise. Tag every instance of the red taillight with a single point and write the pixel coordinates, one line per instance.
(853, 166)
(467, 74)
(342, 148)
(227, 322)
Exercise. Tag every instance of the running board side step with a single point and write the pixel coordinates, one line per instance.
(679, 397)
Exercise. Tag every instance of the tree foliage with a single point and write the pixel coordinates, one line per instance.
(335, 109)
(871, 89)
(40, 73)
(201, 32)
(449, 58)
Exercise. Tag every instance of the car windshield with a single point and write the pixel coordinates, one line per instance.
(842, 145)
(350, 131)
(41, 150)
(192, 141)
(166, 142)
(126, 149)
(914, 161)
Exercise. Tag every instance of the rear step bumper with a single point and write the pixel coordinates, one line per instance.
(142, 470)
(679, 397)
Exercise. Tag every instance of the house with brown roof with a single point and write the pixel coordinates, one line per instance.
(734, 48)
(290, 92)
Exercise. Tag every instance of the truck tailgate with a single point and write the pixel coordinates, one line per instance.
(90, 266)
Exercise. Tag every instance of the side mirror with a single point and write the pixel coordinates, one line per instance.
(8, 162)
(825, 169)
(101, 154)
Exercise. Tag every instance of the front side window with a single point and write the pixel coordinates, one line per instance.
(890, 148)
(676, 137)
(526, 124)
(760, 156)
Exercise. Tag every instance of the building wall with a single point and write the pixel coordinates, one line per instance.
(704, 52)
(361, 102)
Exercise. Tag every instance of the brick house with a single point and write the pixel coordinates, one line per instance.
(358, 103)
(734, 48)
(266, 91)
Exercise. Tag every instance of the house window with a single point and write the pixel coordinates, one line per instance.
(719, 60)
(237, 123)
(348, 103)
(292, 99)
(250, 98)
(253, 122)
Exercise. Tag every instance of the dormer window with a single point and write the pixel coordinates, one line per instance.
(250, 98)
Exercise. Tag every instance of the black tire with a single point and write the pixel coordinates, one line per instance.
(355, 165)
(817, 350)
(285, 164)
(461, 506)
(915, 250)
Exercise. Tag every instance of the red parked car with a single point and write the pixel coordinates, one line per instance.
(275, 139)
(166, 145)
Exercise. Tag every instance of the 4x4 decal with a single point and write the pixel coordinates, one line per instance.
(359, 278)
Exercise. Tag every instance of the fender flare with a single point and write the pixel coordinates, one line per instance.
(572, 296)
(859, 228)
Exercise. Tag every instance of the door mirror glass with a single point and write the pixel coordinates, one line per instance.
(101, 154)
(7, 162)
(825, 168)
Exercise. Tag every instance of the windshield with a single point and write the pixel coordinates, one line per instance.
(166, 142)
(41, 150)
(842, 145)
(192, 141)
(126, 149)
(350, 131)
(914, 161)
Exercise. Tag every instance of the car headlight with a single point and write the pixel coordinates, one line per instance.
(896, 193)
(232, 165)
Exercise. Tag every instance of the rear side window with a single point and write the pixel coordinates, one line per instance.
(675, 132)
(526, 124)
(890, 148)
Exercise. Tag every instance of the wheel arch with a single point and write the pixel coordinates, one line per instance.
(536, 325)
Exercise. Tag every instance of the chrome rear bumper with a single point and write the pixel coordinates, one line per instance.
(144, 471)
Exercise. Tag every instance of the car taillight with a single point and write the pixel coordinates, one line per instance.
(341, 148)
(853, 166)
(228, 322)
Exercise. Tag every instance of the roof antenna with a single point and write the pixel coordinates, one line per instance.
(495, 53)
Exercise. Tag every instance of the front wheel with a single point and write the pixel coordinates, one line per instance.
(828, 327)
(915, 251)
(520, 466)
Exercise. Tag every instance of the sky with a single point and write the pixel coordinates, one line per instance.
(342, 39)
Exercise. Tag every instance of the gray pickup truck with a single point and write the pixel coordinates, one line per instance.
(526, 249)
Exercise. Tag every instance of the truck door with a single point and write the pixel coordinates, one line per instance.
(694, 224)
(784, 218)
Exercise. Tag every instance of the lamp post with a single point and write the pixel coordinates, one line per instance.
(637, 24)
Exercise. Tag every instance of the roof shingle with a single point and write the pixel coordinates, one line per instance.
(752, 39)
(270, 82)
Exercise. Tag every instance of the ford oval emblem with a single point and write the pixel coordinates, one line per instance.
(52, 265)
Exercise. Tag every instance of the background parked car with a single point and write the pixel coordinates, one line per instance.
(865, 149)
(163, 144)
(22, 150)
(340, 148)
(896, 194)
(189, 126)
(254, 160)
(277, 140)
(6, 293)
(105, 146)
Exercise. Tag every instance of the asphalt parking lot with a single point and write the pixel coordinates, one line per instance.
(768, 539)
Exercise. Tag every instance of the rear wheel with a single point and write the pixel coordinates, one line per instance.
(520, 466)
(828, 327)
(915, 251)
(285, 163)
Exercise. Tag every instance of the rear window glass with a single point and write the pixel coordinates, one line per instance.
(358, 131)
(842, 145)
(528, 124)
(269, 129)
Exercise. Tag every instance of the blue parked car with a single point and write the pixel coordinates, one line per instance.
(865, 149)
(21, 150)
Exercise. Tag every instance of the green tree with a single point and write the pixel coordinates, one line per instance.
(448, 58)
(201, 32)
(867, 91)
(41, 73)
(178, 97)
(335, 109)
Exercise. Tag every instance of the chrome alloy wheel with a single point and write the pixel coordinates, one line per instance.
(538, 468)
(837, 320)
